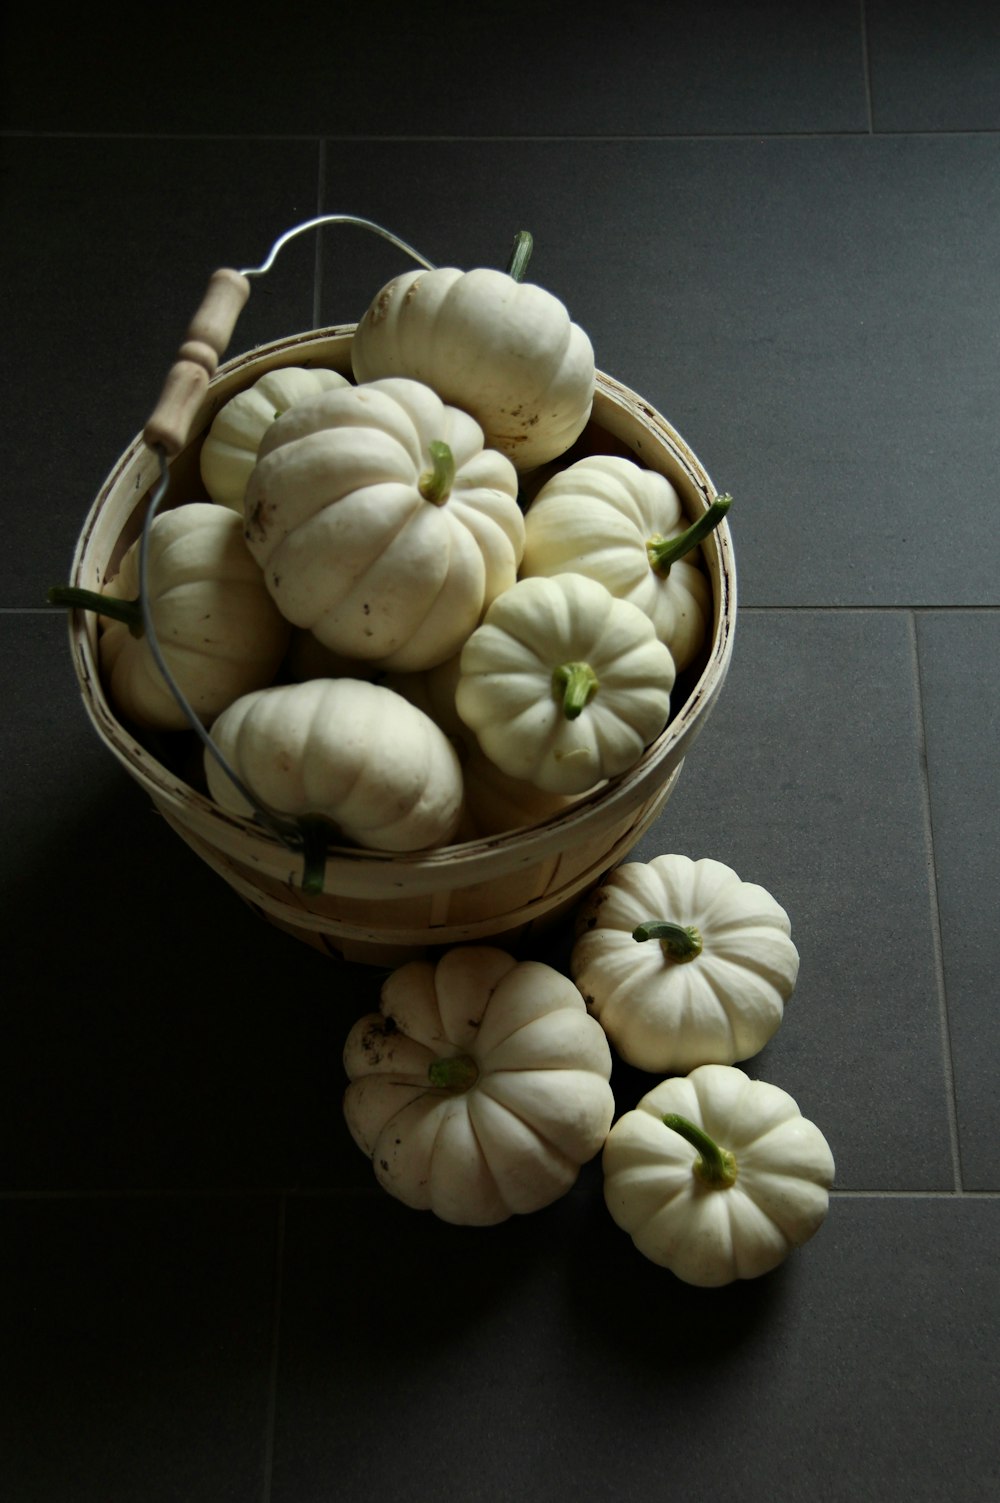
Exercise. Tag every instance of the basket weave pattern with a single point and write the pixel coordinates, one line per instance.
(376, 907)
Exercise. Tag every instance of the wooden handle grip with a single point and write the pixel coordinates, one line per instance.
(209, 332)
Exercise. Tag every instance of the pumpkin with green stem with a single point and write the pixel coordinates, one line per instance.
(354, 755)
(381, 522)
(503, 349)
(480, 1087)
(563, 684)
(717, 1177)
(624, 525)
(683, 963)
(219, 632)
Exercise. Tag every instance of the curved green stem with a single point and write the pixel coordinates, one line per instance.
(662, 552)
(520, 255)
(715, 1166)
(435, 484)
(459, 1073)
(681, 942)
(129, 612)
(574, 686)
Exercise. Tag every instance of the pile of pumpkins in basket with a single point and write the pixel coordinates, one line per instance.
(404, 612)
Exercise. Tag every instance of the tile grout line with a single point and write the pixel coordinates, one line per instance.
(947, 1061)
(272, 1378)
(866, 70)
(626, 138)
(957, 1194)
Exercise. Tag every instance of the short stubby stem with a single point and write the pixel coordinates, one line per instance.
(678, 941)
(457, 1073)
(715, 1166)
(574, 686)
(435, 484)
(129, 612)
(662, 552)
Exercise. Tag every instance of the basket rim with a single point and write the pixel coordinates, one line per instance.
(614, 400)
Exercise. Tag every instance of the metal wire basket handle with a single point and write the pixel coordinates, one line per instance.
(211, 329)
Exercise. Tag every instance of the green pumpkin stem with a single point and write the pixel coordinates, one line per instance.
(678, 941)
(129, 612)
(435, 484)
(458, 1073)
(315, 832)
(520, 255)
(574, 686)
(663, 552)
(715, 1166)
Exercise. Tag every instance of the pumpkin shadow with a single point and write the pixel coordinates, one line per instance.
(353, 1263)
(642, 1313)
(562, 1290)
(643, 1317)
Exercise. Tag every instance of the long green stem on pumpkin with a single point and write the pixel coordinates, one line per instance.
(715, 1166)
(520, 255)
(574, 686)
(662, 552)
(129, 612)
(679, 941)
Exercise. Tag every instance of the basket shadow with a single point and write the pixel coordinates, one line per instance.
(158, 1033)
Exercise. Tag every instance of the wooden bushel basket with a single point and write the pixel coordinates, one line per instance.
(384, 908)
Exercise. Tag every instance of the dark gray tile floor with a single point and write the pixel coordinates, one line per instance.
(777, 222)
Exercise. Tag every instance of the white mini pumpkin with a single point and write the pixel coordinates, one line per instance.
(506, 351)
(618, 522)
(563, 684)
(350, 752)
(684, 964)
(229, 452)
(219, 632)
(381, 522)
(481, 1086)
(717, 1177)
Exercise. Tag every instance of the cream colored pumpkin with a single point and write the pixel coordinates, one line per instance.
(608, 517)
(717, 1177)
(365, 534)
(219, 632)
(481, 1086)
(229, 452)
(708, 976)
(347, 751)
(505, 351)
(563, 684)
